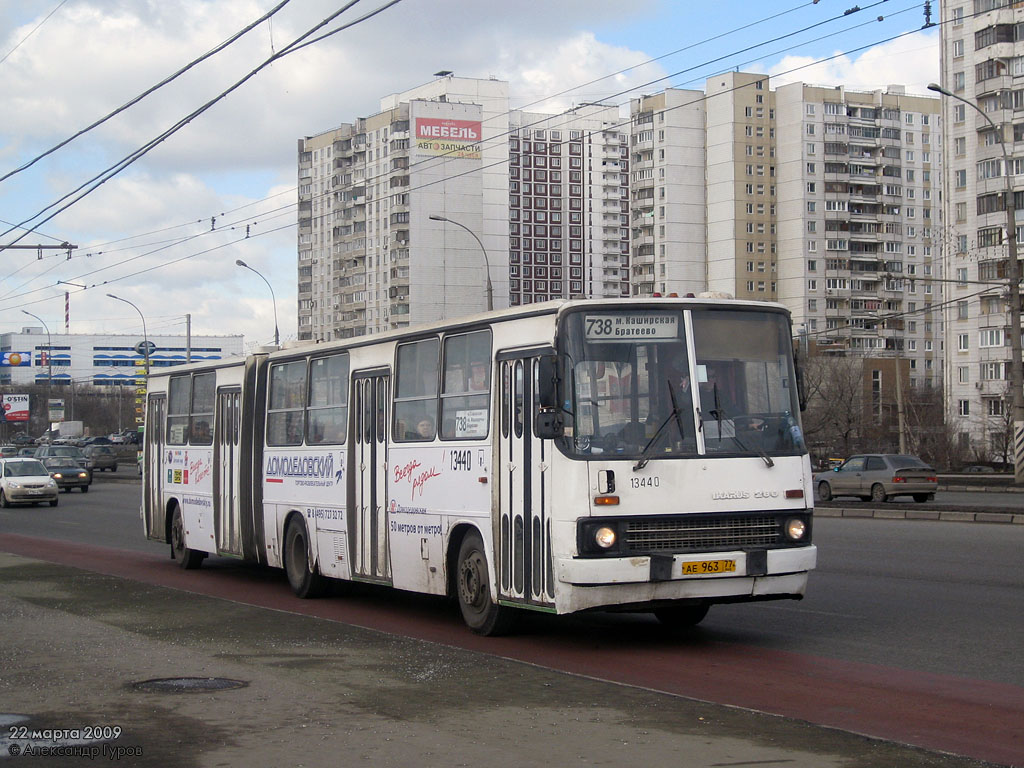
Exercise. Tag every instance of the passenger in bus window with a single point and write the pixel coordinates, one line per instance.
(201, 433)
(478, 377)
(425, 428)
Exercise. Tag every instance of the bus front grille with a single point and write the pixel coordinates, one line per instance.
(702, 534)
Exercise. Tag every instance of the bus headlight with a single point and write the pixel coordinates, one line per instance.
(796, 529)
(605, 537)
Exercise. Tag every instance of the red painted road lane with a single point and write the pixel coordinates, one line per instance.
(974, 718)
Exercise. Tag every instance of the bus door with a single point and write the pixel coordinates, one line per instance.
(227, 485)
(368, 473)
(524, 485)
(152, 457)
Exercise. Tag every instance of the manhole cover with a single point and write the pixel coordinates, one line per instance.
(188, 684)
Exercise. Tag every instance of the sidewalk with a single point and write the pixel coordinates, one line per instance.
(322, 693)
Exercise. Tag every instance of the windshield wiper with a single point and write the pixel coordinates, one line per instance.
(675, 414)
(719, 414)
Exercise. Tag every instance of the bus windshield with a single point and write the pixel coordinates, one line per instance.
(633, 386)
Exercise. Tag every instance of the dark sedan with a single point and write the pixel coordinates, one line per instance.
(68, 474)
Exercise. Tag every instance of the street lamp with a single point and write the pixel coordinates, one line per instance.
(273, 298)
(49, 364)
(1013, 276)
(145, 337)
(487, 264)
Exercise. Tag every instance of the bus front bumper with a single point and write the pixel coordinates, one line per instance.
(757, 575)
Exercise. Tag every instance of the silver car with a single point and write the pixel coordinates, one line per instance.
(879, 477)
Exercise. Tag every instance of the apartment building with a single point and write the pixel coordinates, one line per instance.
(385, 203)
(371, 258)
(822, 198)
(668, 238)
(568, 205)
(982, 55)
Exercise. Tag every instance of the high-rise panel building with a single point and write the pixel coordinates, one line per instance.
(667, 193)
(371, 258)
(822, 198)
(568, 205)
(982, 55)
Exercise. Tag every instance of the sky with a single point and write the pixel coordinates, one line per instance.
(166, 231)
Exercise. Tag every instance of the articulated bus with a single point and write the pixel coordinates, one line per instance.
(627, 455)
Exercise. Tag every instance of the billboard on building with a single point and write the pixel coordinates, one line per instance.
(452, 138)
(15, 407)
(16, 358)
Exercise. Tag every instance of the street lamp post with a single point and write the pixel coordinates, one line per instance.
(487, 264)
(273, 298)
(49, 365)
(145, 336)
(1013, 276)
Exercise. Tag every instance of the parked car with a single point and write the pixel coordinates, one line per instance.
(66, 451)
(26, 481)
(68, 474)
(979, 468)
(102, 456)
(22, 439)
(7, 451)
(879, 477)
(96, 440)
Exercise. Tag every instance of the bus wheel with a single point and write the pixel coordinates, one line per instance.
(305, 582)
(187, 558)
(481, 614)
(682, 616)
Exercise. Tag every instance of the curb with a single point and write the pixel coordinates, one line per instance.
(921, 514)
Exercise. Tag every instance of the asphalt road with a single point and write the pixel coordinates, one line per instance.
(930, 596)
(938, 601)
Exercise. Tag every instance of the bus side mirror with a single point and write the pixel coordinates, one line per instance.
(547, 382)
(549, 424)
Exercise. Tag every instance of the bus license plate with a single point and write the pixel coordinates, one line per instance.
(702, 567)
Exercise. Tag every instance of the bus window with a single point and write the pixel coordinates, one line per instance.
(287, 403)
(201, 415)
(327, 410)
(178, 398)
(415, 410)
(465, 399)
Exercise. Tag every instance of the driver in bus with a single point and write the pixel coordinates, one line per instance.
(675, 374)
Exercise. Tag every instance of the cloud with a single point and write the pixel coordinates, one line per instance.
(912, 61)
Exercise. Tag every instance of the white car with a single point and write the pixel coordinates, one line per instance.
(26, 481)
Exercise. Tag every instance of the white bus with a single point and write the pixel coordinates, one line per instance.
(622, 455)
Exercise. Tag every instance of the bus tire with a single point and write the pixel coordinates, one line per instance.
(188, 559)
(473, 586)
(305, 581)
(682, 616)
